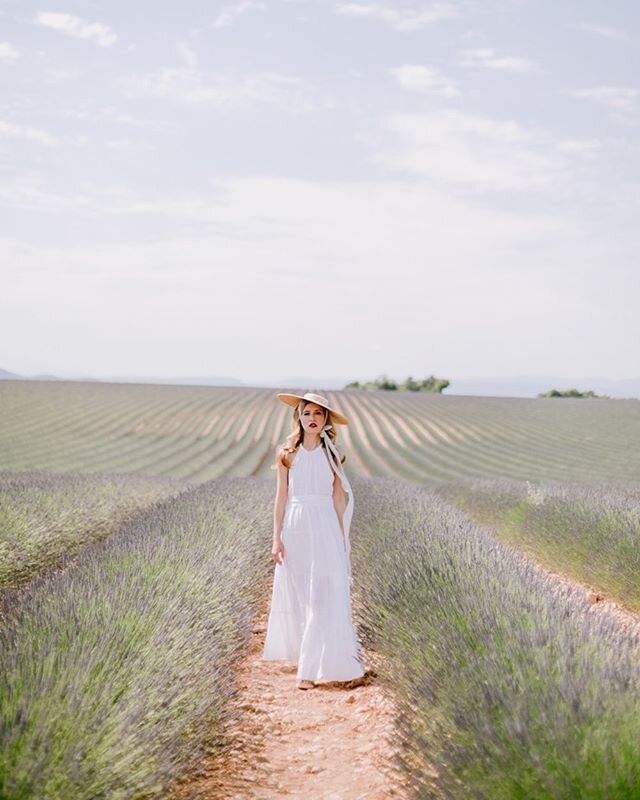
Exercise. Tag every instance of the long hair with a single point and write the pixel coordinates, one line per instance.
(294, 439)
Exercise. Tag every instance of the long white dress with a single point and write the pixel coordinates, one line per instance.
(310, 614)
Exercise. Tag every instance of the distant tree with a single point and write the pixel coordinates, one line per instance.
(410, 385)
(569, 393)
(433, 384)
(384, 383)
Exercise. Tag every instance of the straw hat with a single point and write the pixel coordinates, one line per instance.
(294, 399)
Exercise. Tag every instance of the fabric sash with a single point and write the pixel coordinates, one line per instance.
(334, 459)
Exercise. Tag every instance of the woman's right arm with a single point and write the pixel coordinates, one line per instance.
(282, 485)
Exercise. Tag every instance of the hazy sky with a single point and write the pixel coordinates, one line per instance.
(261, 189)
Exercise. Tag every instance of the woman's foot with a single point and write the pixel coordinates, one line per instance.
(304, 684)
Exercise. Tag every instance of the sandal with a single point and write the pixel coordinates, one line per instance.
(304, 684)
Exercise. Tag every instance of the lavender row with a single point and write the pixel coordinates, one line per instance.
(44, 516)
(506, 686)
(118, 672)
(588, 531)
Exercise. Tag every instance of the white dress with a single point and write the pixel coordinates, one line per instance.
(310, 615)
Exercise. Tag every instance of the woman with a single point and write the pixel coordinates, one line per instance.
(310, 614)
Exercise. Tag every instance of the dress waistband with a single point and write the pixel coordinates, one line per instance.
(313, 499)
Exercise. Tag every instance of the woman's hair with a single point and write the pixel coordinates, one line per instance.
(293, 439)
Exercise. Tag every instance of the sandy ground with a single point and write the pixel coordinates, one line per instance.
(332, 742)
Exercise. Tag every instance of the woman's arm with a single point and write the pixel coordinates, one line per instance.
(339, 499)
(282, 485)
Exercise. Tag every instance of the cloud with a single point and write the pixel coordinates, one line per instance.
(103, 35)
(26, 192)
(620, 98)
(402, 19)
(477, 153)
(487, 57)
(228, 14)
(12, 131)
(437, 265)
(604, 30)
(129, 146)
(188, 54)
(191, 85)
(416, 77)
(8, 53)
(260, 225)
(586, 148)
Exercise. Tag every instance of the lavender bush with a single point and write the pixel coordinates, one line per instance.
(506, 687)
(589, 531)
(117, 672)
(45, 515)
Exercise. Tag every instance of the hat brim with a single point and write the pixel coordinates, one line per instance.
(294, 399)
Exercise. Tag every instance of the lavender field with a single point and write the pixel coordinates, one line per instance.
(119, 669)
(197, 433)
(135, 536)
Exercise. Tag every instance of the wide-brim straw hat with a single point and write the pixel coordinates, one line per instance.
(312, 397)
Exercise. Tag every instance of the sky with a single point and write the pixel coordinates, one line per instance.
(259, 189)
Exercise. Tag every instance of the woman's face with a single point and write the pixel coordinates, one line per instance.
(312, 418)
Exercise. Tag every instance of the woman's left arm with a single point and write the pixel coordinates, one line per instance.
(339, 500)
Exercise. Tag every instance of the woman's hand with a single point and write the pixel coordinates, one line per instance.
(277, 551)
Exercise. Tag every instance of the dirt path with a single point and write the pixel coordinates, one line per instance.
(332, 742)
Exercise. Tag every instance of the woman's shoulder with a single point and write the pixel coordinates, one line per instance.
(285, 455)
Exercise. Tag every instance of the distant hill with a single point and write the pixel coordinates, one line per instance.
(215, 380)
(307, 384)
(5, 375)
(188, 381)
(13, 376)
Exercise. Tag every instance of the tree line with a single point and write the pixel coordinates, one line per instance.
(570, 393)
(430, 384)
(434, 384)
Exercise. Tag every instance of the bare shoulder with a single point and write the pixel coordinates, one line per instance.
(284, 457)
